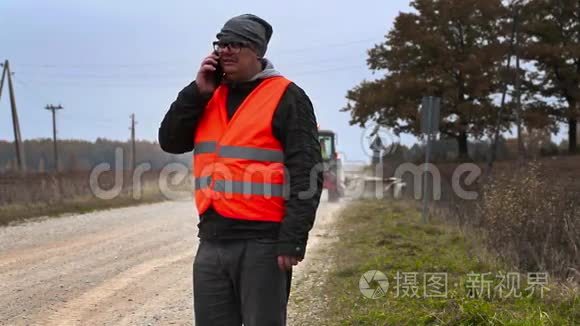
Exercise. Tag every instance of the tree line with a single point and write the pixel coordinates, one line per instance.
(82, 155)
(471, 53)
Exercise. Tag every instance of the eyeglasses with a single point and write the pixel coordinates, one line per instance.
(233, 47)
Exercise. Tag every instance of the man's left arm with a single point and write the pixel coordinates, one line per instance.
(295, 125)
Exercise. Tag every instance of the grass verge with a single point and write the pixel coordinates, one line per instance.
(18, 213)
(389, 237)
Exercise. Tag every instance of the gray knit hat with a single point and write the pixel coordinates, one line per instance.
(247, 28)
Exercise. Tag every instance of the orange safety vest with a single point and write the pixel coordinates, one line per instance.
(238, 165)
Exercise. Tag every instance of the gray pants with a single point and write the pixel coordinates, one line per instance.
(238, 281)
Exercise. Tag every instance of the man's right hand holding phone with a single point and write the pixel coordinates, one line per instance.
(206, 79)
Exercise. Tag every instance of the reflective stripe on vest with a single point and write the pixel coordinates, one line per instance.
(248, 153)
(202, 182)
(249, 188)
(240, 187)
(205, 147)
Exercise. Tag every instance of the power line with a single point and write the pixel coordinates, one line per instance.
(340, 59)
(331, 45)
(111, 81)
(335, 69)
(144, 76)
(130, 79)
(104, 123)
(173, 62)
(18, 80)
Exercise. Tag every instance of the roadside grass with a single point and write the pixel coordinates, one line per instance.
(389, 237)
(18, 213)
(14, 214)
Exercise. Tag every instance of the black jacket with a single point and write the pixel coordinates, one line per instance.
(294, 125)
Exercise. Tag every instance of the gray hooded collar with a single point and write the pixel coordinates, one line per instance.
(269, 71)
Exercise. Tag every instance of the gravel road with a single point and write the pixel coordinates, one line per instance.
(127, 266)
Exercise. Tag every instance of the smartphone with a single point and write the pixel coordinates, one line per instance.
(219, 73)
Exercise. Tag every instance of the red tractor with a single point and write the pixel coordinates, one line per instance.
(332, 165)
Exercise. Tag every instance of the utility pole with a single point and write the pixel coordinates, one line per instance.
(133, 149)
(15, 123)
(53, 109)
(430, 113)
(496, 134)
(517, 94)
(2, 79)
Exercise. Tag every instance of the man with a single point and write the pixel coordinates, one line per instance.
(258, 178)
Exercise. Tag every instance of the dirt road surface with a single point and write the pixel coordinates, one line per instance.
(127, 266)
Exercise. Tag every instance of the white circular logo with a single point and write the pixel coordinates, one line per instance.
(377, 138)
(364, 284)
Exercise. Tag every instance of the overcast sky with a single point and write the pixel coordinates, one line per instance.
(103, 60)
